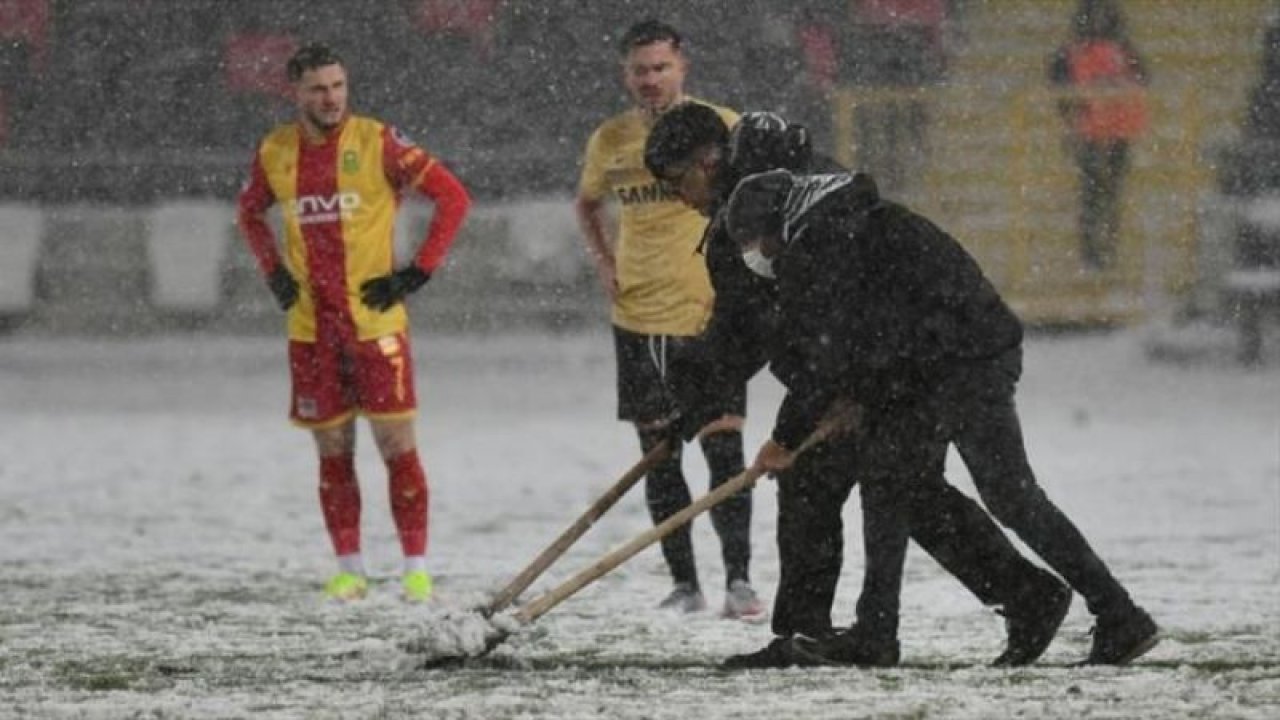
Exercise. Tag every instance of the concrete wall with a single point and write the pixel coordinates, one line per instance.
(96, 270)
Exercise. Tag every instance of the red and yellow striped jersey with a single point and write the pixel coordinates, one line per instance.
(339, 198)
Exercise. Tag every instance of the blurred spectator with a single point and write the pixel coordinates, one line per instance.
(1263, 121)
(252, 60)
(820, 57)
(470, 21)
(451, 59)
(24, 26)
(1105, 112)
(26, 22)
(819, 48)
(903, 39)
(896, 45)
(1252, 166)
(771, 56)
(792, 53)
(1253, 171)
(256, 93)
(13, 69)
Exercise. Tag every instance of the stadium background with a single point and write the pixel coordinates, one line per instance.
(126, 127)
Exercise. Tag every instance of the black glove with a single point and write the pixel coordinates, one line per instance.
(381, 293)
(283, 286)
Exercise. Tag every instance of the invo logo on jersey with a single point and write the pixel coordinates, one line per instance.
(325, 208)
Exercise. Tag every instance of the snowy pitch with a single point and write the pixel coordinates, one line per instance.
(162, 553)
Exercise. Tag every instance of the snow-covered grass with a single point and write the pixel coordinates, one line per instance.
(161, 551)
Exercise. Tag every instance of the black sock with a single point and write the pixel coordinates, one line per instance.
(667, 493)
(731, 518)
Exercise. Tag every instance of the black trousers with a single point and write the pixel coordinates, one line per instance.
(971, 406)
(978, 415)
(1102, 169)
(947, 524)
(810, 536)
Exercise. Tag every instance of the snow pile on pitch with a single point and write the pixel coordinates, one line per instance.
(458, 634)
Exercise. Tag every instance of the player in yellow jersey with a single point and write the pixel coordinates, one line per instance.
(661, 294)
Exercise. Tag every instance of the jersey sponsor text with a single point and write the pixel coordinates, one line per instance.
(652, 192)
(325, 208)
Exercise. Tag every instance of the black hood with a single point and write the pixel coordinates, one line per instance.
(762, 141)
(778, 202)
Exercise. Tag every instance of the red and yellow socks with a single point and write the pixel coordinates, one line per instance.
(409, 501)
(340, 503)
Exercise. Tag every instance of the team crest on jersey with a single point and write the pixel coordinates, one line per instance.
(350, 162)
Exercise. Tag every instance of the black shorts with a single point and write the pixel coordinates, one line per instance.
(642, 364)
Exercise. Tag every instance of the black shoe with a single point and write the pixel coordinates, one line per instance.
(779, 653)
(1032, 623)
(850, 647)
(1119, 639)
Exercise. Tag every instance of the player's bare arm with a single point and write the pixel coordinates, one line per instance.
(591, 219)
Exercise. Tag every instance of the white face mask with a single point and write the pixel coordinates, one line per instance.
(758, 263)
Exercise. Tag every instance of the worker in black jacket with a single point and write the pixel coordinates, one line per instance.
(880, 305)
(694, 152)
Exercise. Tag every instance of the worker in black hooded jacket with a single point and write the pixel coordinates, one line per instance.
(880, 305)
(694, 152)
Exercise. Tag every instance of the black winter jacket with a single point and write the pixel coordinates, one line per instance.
(740, 338)
(876, 302)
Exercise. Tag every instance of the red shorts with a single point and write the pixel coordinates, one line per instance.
(332, 381)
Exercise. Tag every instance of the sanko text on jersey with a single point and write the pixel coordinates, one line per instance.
(653, 192)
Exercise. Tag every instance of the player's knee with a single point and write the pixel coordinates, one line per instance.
(665, 490)
(651, 434)
(337, 440)
(393, 438)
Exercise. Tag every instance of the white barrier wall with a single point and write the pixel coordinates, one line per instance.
(72, 269)
(21, 229)
(187, 248)
(527, 240)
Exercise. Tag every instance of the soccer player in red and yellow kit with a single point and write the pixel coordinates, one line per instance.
(337, 178)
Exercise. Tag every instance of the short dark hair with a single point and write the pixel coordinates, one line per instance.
(310, 57)
(647, 32)
(681, 131)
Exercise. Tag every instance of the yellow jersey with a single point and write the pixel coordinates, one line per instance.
(663, 286)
